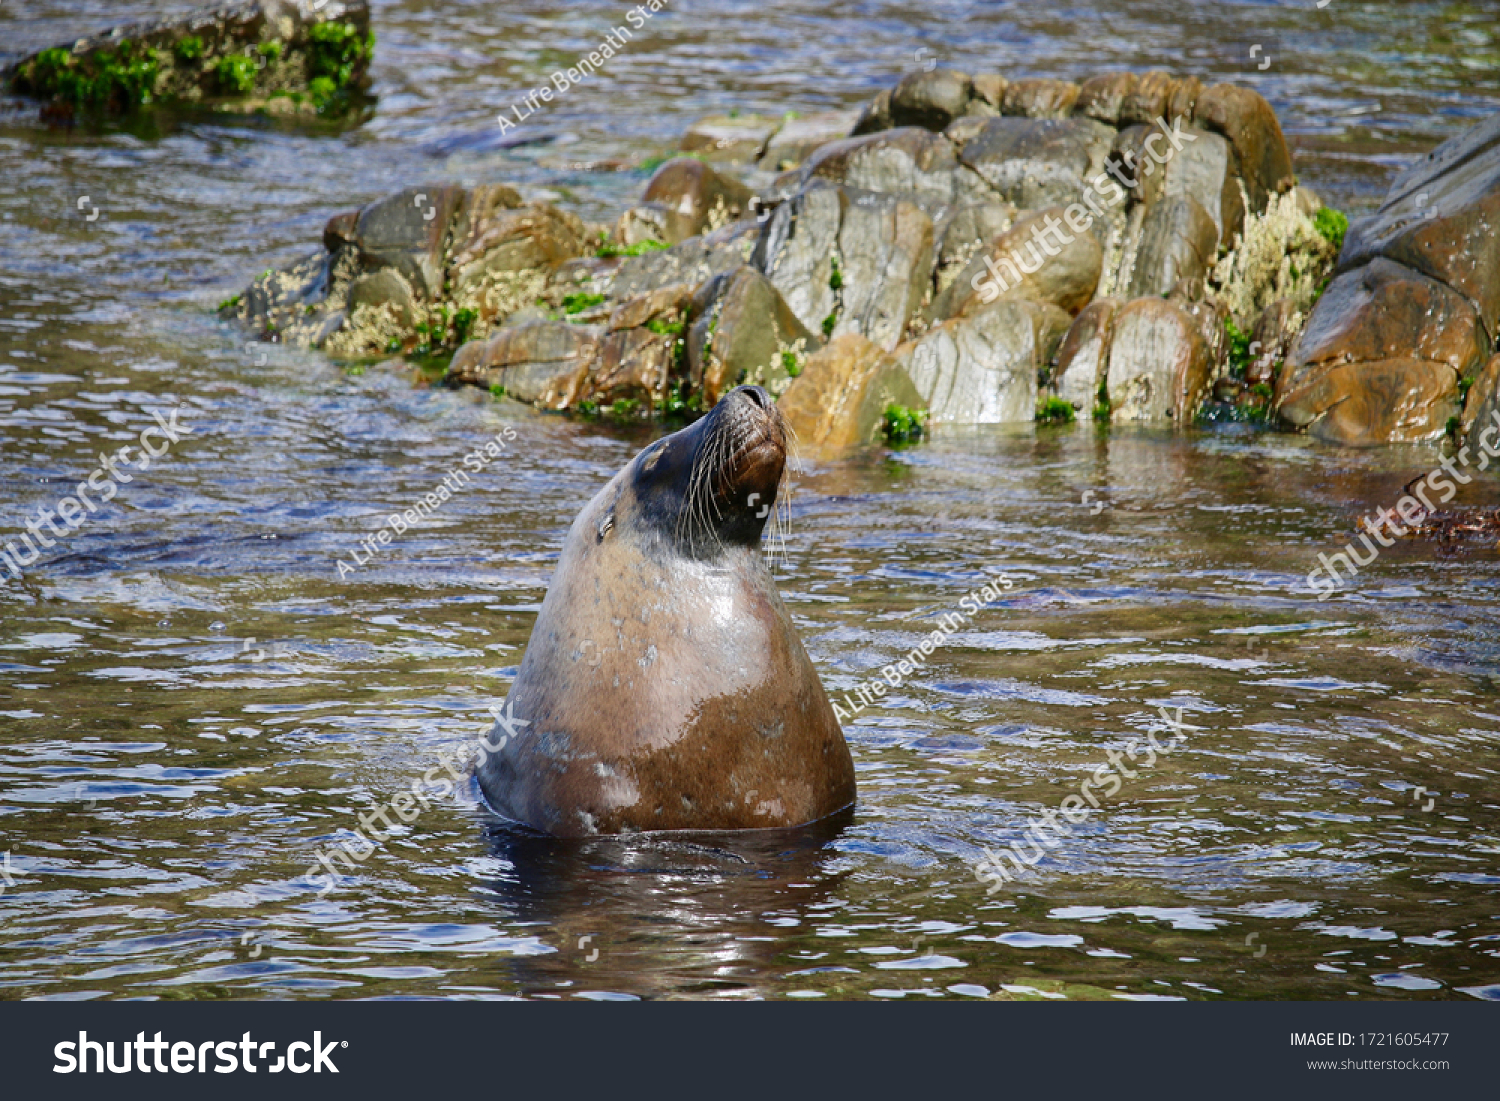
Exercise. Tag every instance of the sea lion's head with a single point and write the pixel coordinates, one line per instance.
(709, 487)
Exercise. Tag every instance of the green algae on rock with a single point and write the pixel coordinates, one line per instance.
(276, 57)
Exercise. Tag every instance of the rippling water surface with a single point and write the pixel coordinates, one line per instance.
(193, 703)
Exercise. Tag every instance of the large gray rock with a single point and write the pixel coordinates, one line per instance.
(693, 261)
(863, 259)
(406, 231)
(1038, 162)
(931, 100)
(963, 232)
(1203, 170)
(980, 369)
(908, 161)
(1039, 258)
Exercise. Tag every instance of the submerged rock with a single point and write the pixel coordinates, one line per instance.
(271, 56)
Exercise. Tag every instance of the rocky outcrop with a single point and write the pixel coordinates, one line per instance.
(270, 56)
(952, 240)
(1411, 319)
(838, 403)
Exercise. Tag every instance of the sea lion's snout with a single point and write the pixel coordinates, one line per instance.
(758, 458)
(731, 464)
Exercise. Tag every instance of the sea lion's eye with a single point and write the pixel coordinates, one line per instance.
(649, 463)
(607, 524)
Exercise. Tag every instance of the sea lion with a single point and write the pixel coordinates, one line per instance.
(664, 686)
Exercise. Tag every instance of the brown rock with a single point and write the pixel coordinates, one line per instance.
(931, 100)
(538, 236)
(544, 362)
(1247, 120)
(1184, 98)
(1385, 401)
(1384, 311)
(1084, 356)
(737, 138)
(875, 117)
(1272, 340)
(1128, 152)
(340, 231)
(990, 87)
(1100, 97)
(837, 404)
(741, 330)
(476, 209)
(1067, 279)
(385, 287)
(668, 304)
(1441, 218)
(1158, 363)
(1040, 98)
(633, 365)
(1149, 99)
(963, 233)
(1178, 241)
(695, 197)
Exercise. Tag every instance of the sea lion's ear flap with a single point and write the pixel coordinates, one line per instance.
(607, 524)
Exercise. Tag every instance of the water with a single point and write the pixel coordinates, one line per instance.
(193, 702)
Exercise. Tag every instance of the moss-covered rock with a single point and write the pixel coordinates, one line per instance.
(270, 56)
